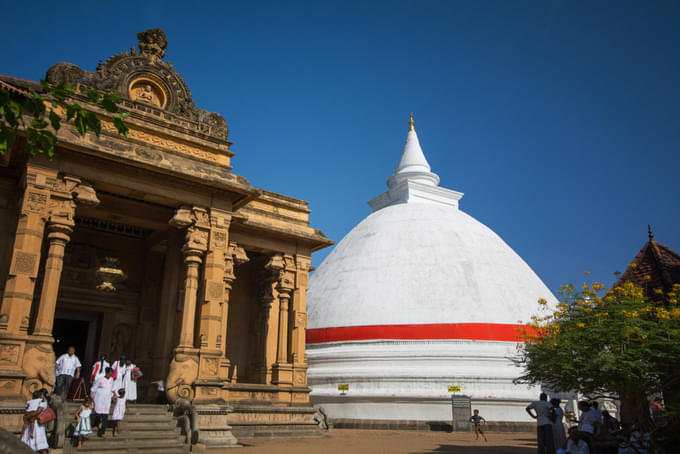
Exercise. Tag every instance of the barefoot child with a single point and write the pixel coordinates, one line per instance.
(84, 425)
(119, 411)
(477, 421)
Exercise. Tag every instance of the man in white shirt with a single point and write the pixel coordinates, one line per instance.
(68, 366)
(544, 428)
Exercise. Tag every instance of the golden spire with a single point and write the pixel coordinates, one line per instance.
(410, 124)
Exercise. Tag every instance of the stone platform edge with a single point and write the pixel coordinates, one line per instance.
(440, 426)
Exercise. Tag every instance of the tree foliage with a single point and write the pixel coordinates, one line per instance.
(47, 111)
(604, 343)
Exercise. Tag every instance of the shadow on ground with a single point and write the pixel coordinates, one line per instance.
(452, 449)
(528, 446)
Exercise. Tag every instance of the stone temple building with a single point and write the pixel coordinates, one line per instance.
(152, 247)
(417, 303)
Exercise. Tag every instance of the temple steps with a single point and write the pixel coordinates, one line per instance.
(148, 429)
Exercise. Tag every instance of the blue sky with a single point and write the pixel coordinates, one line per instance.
(560, 121)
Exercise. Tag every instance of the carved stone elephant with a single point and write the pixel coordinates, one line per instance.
(38, 364)
(182, 374)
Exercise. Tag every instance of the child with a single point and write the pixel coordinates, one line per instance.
(477, 421)
(83, 426)
(119, 410)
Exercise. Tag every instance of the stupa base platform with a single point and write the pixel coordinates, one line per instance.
(260, 421)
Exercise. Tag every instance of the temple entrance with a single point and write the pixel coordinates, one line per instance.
(80, 331)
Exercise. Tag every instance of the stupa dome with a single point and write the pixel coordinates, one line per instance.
(418, 296)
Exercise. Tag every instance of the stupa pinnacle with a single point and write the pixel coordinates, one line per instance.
(413, 180)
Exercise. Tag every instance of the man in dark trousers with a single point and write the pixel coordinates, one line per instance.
(544, 425)
(68, 366)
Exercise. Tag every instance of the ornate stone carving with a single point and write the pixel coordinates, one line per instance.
(146, 80)
(182, 374)
(24, 263)
(9, 353)
(35, 201)
(196, 238)
(38, 365)
(153, 42)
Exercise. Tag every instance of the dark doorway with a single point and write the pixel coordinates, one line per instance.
(68, 332)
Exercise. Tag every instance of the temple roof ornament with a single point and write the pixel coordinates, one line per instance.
(145, 81)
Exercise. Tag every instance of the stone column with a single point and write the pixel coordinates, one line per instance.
(193, 257)
(283, 370)
(47, 199)
(18, 294)
(268, 322)
(68, 192)
(183, 370)
(235, 256)
(58, 235)
(166, 336)
(299, 321)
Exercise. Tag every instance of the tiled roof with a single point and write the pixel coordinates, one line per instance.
(657, 261)
(20, 86)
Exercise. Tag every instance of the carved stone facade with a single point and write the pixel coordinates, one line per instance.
(213, 306)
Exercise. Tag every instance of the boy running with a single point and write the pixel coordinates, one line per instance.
(477, 421)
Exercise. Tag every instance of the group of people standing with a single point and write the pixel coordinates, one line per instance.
(551, 437)
(109, 383)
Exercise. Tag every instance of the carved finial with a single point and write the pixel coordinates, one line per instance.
(153, 42)
(649, 232)
(410, 124)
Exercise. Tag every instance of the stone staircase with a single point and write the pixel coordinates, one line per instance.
(147, 429)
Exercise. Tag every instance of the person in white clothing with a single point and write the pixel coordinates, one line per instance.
(544, 428)
(130, 381)
(68, 366)
(102, 393)
(98, 369)
(119, 370)
(35, 435)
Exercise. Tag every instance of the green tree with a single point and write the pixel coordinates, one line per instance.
(39, 116)
(615, 343)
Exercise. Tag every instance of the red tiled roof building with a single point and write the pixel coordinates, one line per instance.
(655, 267)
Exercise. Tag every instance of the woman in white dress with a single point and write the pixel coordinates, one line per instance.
(98, 369)
(130, 382)
(102, 393)
(559, 437)
(36, 437)
(119, 371)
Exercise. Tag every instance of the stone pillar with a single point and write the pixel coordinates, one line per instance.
(283, 370)
(52, 199)
(212, 297)
(183, 370)
(18, 295)
(299, 322)
(235, 256)
(58, 235)
(169, 309)
(268, 319)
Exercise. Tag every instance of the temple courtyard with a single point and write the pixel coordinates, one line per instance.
(349, 441)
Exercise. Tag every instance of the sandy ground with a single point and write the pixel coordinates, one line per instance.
(349, 441)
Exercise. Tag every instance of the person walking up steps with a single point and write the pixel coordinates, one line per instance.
(83, 422)
(119, 411)
(477, 421)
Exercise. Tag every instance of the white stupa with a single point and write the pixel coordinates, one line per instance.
(416, 298)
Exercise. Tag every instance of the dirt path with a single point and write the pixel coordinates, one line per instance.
(349, 441)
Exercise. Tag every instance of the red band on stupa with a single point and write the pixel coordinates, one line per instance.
(467, 331)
